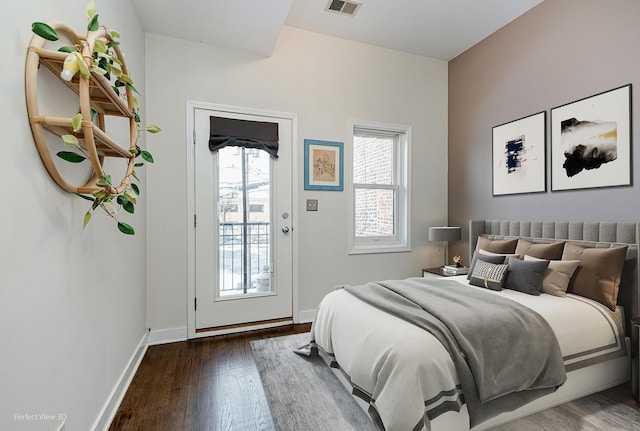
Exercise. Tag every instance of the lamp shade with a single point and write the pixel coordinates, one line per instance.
(445, 233)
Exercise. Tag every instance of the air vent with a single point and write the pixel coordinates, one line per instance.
(343, 7)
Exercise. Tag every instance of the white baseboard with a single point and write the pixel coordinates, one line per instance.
(110, 408)
(164, 336)
(306, 316)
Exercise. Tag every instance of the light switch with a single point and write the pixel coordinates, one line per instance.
(312, 204)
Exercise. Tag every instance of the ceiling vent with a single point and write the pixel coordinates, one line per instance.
(343, 7)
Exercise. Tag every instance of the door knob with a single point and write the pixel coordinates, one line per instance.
(285, 229)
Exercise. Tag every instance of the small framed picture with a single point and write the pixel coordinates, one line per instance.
(323, 165)
(591, 141)
(519, 156)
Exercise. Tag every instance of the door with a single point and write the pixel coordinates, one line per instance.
(243, 239)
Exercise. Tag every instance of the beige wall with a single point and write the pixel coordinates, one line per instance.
(558, 52)
(72, 302)
(325, 81)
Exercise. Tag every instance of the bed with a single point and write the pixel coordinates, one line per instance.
(409, 378)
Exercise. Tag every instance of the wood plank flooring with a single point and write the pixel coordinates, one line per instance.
(213, 384)
(204, 384)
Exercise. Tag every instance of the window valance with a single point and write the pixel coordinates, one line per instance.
(231, 132)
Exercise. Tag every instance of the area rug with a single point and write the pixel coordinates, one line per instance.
(305, 395)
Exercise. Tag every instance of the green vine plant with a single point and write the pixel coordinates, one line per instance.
(104, 62)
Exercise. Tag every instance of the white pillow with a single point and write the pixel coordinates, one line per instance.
(557, 276)
(506, 256)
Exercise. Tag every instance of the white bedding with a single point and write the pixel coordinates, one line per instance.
(407, 372)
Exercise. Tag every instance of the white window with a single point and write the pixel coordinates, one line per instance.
(379, 195)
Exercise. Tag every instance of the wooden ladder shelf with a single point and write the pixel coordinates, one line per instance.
(94, 92)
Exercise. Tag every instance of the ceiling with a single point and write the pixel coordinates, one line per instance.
(440, 29)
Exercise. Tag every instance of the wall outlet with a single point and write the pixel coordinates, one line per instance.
(312, 204)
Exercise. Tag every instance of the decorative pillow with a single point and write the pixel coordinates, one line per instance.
(599, 272)
(526, 277)
(488, 275)
(498, 258)
(504, 246)
(557, 276)
(506, 256)
(552, 251)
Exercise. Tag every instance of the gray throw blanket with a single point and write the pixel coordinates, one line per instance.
(505, 354)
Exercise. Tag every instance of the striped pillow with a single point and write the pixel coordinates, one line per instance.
(489, 275)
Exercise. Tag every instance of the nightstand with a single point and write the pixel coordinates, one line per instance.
(436, 272)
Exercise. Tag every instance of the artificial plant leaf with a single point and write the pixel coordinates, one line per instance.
(111, 206)
(121, 199)
(70, 140)
(44, 30)
(116, 72)
(113, 43)
(115, 34)
(129, 207)
(152, 128)
(137, 165)
(136, 104)
(125, 228)
(147, 156)
(97, 69)
(91, 9)
(93, 23)
(133, 173)
(76, 124)
(84, 69)
(131, 197)
(125, 78)
(87, 217)
(104, 181)
(70, 156)
(67, 49)
(135, 189)
(84, 196)
(134, 89)
(116, 60)
(99, 46)
(94, 113)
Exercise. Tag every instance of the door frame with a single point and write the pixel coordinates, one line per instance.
(191, 105)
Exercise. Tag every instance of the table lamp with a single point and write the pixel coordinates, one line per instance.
(445, 234)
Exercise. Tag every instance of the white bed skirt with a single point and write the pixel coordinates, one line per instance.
(582, 382)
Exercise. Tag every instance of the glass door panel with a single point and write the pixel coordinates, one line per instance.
(244, 222)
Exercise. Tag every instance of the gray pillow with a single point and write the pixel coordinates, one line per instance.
(486, 258)
(526, 276)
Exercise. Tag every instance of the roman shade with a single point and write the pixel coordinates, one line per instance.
(230, 132)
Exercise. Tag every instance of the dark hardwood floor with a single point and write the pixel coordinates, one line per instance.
(204, 384)
(213, 384)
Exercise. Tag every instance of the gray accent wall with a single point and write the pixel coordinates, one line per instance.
(558, 52)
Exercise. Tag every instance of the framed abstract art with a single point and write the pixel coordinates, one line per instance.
(519, 156)
(591, 141)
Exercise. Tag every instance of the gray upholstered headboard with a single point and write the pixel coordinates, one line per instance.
(586, 234)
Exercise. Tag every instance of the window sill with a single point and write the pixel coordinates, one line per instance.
(377, 248)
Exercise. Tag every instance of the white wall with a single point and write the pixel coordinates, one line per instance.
(325, 81)
(72, 302)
